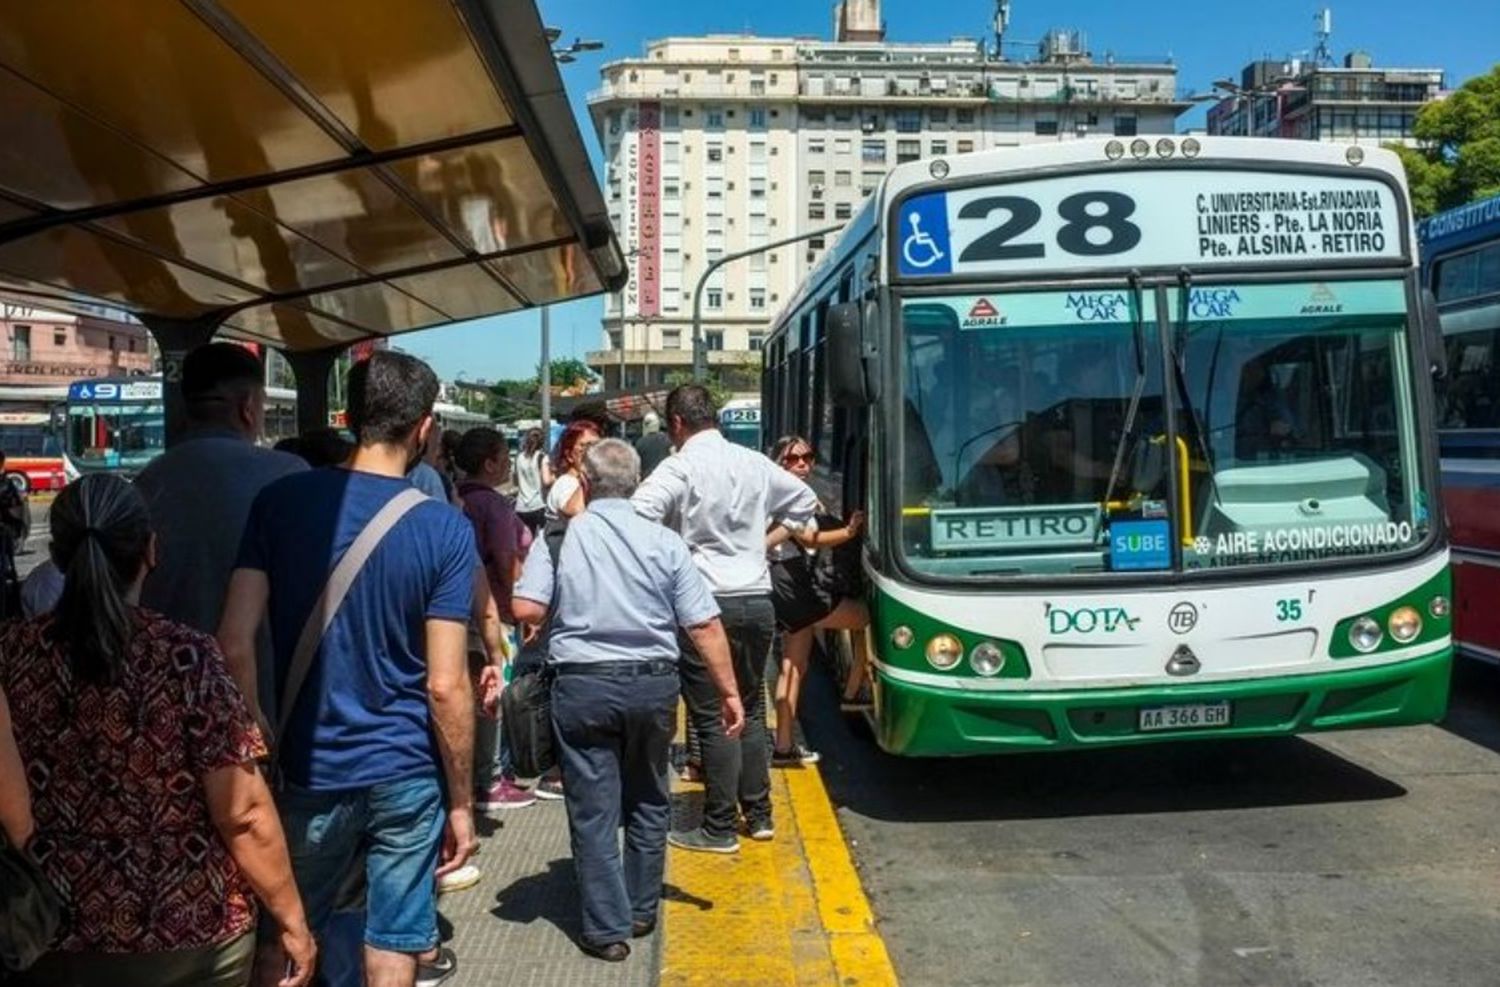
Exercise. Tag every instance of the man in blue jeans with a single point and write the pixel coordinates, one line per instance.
(378, 749)
(620, 591)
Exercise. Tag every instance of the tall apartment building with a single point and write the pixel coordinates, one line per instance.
(714, 145)
(1354, 102)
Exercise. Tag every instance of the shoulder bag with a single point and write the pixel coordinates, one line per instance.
(526, 702)
(31, 910)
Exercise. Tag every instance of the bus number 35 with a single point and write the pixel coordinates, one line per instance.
(1080, 212)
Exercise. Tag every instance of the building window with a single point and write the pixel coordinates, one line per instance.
(964, 117)
(872, 152)
(615, 339)
(757, 118)
(868, 180)
(670, 190)
(842, 210)
(757, 152)
(908, 121)
(816, 210)
(757, 188)
(757, 342)
(1125, 126)
(757, 87)
(715, 153)
(59, 337)
(939, 148)
(817, 176)
(671, 152)
(843, 145)
(908, 151)
(757, 299)
(815, 243)
(965, 147)
(1046, 128)
(814, 115)
(938, 114)
(715, 298)
(671, 339)
(815, 145)
(20, 344)
(843, 179)
(714, 119)
(669, 116)
(713, 340)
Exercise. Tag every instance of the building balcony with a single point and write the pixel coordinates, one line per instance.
(669, 358)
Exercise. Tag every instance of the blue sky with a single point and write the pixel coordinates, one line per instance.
(1206, 43)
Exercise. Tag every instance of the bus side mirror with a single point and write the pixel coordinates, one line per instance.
(1432, 333)
(850, 380)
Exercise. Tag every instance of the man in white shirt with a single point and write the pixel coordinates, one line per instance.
(721, 498)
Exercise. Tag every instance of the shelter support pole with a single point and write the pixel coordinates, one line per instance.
(175, 338)
(311, 368)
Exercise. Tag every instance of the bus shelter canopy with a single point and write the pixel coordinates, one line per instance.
(307, 174)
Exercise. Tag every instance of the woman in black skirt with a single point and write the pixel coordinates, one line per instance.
(806, 602)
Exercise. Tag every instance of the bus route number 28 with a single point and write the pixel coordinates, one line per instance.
(1095, 224)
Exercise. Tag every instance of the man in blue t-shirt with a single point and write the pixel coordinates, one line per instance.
(378, 748)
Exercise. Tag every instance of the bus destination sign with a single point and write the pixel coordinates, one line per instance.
(1147, 219)
(988, 529)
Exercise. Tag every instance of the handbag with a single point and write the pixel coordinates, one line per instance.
(526, 703)
(31, 909)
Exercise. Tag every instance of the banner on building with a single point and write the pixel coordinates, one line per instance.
(648, 211)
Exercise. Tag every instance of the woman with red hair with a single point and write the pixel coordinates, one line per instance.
(565, 499)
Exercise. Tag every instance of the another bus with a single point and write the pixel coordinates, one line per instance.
(1461, 265)
(739, 421)
(28, 437)
(119, 425)
(1142, 429)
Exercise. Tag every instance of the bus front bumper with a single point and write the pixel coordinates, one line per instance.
(923, 721)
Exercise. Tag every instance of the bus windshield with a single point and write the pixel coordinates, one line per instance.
(1035, 437)
(115, 436)
(28, 440)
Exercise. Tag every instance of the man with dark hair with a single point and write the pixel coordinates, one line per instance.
(721, 498)
(381, 731)
(199, 493)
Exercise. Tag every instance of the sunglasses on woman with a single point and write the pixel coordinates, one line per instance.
(792, 458)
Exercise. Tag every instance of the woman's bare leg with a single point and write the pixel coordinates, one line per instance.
(796, 648)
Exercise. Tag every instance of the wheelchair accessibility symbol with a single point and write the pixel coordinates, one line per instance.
(920, 250)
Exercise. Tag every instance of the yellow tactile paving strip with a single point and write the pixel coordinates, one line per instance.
(787, 912)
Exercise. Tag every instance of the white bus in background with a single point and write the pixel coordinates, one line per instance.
(739, 420)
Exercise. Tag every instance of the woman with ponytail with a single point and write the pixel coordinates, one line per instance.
(148, 812)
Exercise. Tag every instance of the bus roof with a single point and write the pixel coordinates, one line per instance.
(311, 173)
(1460, 226)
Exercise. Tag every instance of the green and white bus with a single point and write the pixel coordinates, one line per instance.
(1143, 430)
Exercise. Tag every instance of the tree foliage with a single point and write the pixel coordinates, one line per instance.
(1459, 157)
(715, 384)
(569, 372)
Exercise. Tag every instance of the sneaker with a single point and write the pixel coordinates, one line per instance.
(460, 880)
(795, 755)
(699, 841)
(432, 972)
(761, 832)
(550, 789)
(505, 794)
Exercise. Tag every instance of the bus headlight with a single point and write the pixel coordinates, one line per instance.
(1404, 624)
(987, 658)
(1140, 148)
(1114, 150)
(902, 637)
(1365, 634)
(1165, 147)
(1191, 147)
(1355, 155)
(1438, 606)
(944, 651)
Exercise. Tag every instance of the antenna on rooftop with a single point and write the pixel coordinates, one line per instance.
(1002, 21)
(1324, 31)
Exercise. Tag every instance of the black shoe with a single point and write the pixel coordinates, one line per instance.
(437, 970)
(614, 952)
(640, 930)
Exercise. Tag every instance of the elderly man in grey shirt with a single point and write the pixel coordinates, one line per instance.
(621, 589)
(199, 493)
(722, 497)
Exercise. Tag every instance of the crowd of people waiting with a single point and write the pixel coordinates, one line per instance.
(257, 688)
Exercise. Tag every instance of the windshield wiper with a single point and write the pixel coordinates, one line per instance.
(1138, 330)
(1179, 372)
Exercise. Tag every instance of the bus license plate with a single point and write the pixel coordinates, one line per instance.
(1194, 717)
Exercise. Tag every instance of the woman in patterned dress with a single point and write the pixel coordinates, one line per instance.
(148, 812)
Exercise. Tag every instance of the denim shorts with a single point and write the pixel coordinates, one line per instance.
(400, 826)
